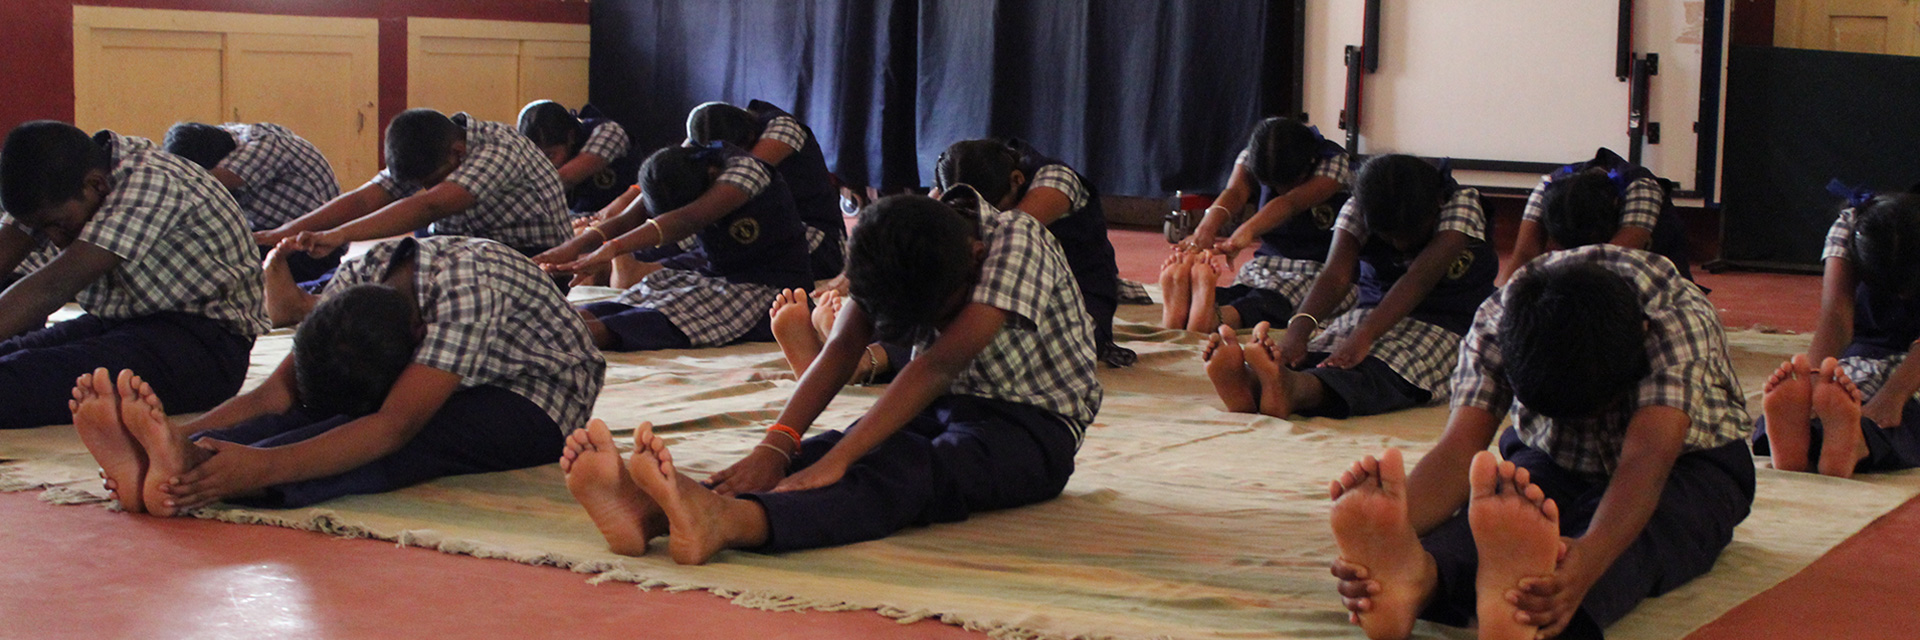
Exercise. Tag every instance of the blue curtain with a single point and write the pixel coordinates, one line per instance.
(1142, 96)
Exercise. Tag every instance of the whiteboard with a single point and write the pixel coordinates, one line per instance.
(1518, 80)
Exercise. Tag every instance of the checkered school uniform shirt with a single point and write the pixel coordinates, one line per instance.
(608, 140)
(1686, 347)
(181, 239)
(1044, 357)
(1869, 374)
(1639, 207)
(517, 196)
(1291, 277)
(1421, 353)
(286, 177)
(786, 130)
(1060, 178)
(711, 310)
(494, 318)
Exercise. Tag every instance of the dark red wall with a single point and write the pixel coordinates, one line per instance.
(36, 41)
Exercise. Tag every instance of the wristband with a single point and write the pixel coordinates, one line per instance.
(1308, 316)
(775, 449)
(785, 430)
(597, 229)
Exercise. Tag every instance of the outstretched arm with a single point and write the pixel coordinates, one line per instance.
(348, 206)
(1343, 261)
(26, 305)
(1437, 488)
(762, 469)
(581, 167)
(673, 226)
(15, 246)
(276, 395)
(398, 218)
(1425, 272)
(923, 380)
(1277, 211)
(1834, 329)
(235, 469)
(1529, 243)
(1240, 188)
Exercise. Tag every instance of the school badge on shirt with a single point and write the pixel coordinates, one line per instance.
(1461, 265)
(744, 230)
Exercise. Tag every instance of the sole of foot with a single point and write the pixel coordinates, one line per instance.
(598, 480)
(1517, 532)
(1370, 524)
(96, 416)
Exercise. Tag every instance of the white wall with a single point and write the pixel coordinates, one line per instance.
(1527, 80)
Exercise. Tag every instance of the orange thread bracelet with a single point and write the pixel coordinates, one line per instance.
(786, 431)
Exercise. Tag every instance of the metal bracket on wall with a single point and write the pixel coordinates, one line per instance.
(1350, 112)
(1639, 131)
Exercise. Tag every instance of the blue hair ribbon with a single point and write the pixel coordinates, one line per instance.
(1856, 197)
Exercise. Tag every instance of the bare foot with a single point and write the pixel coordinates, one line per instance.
(1517, 531)
(168, 452)
(793, 329)
(1370, 523)
(598, 480)
(1788, 406)
(96, 415)
(700, 523)
(1176, 287)
(1263, 358)
(1203, 312)
(1227, 368)
(1837, 402)
(287, 304)
(826, 311)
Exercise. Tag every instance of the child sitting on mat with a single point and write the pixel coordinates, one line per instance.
(454, 176)
(1418, 246)
(1856, 411)
(988, 416)
(1625, 471)
(1302, 180)
(424, 358)
(276, 176)
(1011, 175)
(779, 139)
(1606, 199)
(152, 248)
(752, 242)
(589, 150)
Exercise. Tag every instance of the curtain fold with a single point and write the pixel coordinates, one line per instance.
(1142, 96)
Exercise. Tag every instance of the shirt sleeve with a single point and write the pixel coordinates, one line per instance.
(1642, 203)
(748, 174)
(395, 188)
(1537, 202)
(1064, 180)
(1352, 221)
(1462, 213)
(1479, 380)
(1839, 238)
(263, 156)
(1335, 166)
(609, 141)
(787, 131)
(1013, 275)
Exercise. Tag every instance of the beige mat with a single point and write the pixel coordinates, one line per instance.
(1182, 520)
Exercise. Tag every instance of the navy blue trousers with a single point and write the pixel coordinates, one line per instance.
(961, 455)
(644, 329)
(1369, 388)
(1707, 494)
(1255, 305)
(478, 430)
(192, 362)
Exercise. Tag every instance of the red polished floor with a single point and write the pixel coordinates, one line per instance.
(84, 572)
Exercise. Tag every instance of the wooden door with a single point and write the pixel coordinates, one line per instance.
(1858, 26)
(491, 68)
(556, 71)
(324, 88)
(139, 82)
